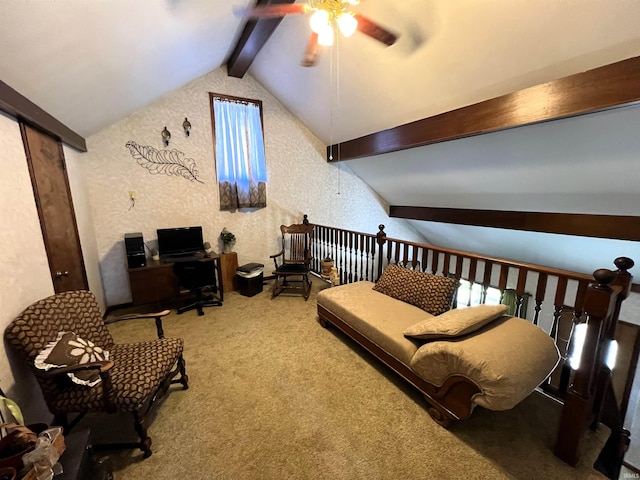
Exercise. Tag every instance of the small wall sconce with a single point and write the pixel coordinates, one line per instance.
(187, 126)
(166, 136)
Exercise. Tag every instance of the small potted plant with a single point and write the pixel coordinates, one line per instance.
(327, 265)
(228, 240)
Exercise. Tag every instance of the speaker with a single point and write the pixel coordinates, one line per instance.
(134, 245)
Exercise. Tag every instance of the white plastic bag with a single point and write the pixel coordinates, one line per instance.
(44, 458)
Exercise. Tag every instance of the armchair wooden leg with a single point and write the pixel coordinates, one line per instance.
(306, 285)
(62, 420)
(184, 378)
(141, 430)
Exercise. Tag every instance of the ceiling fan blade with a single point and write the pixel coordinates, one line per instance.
(375, 31)
(270, 11)
(311, 52)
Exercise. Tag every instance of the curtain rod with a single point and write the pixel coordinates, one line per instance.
(231, 100)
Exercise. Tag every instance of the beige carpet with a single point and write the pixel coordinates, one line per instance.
(275, 396)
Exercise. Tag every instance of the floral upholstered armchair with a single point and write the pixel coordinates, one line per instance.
(81, 369)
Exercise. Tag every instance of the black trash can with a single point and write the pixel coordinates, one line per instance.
(250, 278)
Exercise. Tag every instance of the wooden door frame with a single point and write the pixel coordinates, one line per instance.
(36, 194)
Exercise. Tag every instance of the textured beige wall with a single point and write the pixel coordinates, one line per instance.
(24, 268)
(23, 265)
(299, 181)
(80, 195)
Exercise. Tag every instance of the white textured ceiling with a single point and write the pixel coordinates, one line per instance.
(90, 63)
(450, 53)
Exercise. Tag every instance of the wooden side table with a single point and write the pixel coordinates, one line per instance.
(229, 265)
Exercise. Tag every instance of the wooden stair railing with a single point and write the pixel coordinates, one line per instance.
(362, 256)
(556, 293)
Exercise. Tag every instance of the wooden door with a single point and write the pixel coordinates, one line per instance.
(55, 208)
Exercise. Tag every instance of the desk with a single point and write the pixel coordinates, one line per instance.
(156, 283)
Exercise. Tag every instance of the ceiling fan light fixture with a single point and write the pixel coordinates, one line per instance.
(319, 21)
(325, 37)
(347, 24)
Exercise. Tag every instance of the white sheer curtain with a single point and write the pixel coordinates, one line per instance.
(240, 159)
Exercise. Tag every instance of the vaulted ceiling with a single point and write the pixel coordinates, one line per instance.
(91, 63)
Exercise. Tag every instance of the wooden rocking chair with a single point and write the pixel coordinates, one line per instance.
(292, 270)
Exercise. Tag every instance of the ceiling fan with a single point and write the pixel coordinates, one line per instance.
(324, 15)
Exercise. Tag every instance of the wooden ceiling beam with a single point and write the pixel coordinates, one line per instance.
(20, 107)
(620, 227)
(255, 34)
(595, 90)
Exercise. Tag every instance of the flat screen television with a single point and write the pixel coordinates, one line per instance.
(179, 241)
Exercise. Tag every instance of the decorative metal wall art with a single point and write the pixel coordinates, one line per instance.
(166, 136)
(165, 162)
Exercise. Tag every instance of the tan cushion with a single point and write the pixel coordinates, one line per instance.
(380, 318)
(507, 359)
(456, 322)
(431, 293)
(68, 349)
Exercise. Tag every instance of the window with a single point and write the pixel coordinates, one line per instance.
(239, 152)
(470, 294)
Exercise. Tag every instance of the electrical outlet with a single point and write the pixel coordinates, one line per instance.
(132, 194)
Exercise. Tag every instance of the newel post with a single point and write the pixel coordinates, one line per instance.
(578, 403)
(624, 279)
(381, 238)
(305, 219)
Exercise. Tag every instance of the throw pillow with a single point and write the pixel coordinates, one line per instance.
(429, 292)
(409, 286)
(457, 322)
(69, 349)
(439, 294)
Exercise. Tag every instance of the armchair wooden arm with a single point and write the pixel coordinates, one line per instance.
(102, 366)
(133, 316)
(279, 254)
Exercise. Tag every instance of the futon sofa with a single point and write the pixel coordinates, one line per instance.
(457, 358)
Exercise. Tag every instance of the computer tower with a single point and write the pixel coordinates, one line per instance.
(134, 245)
